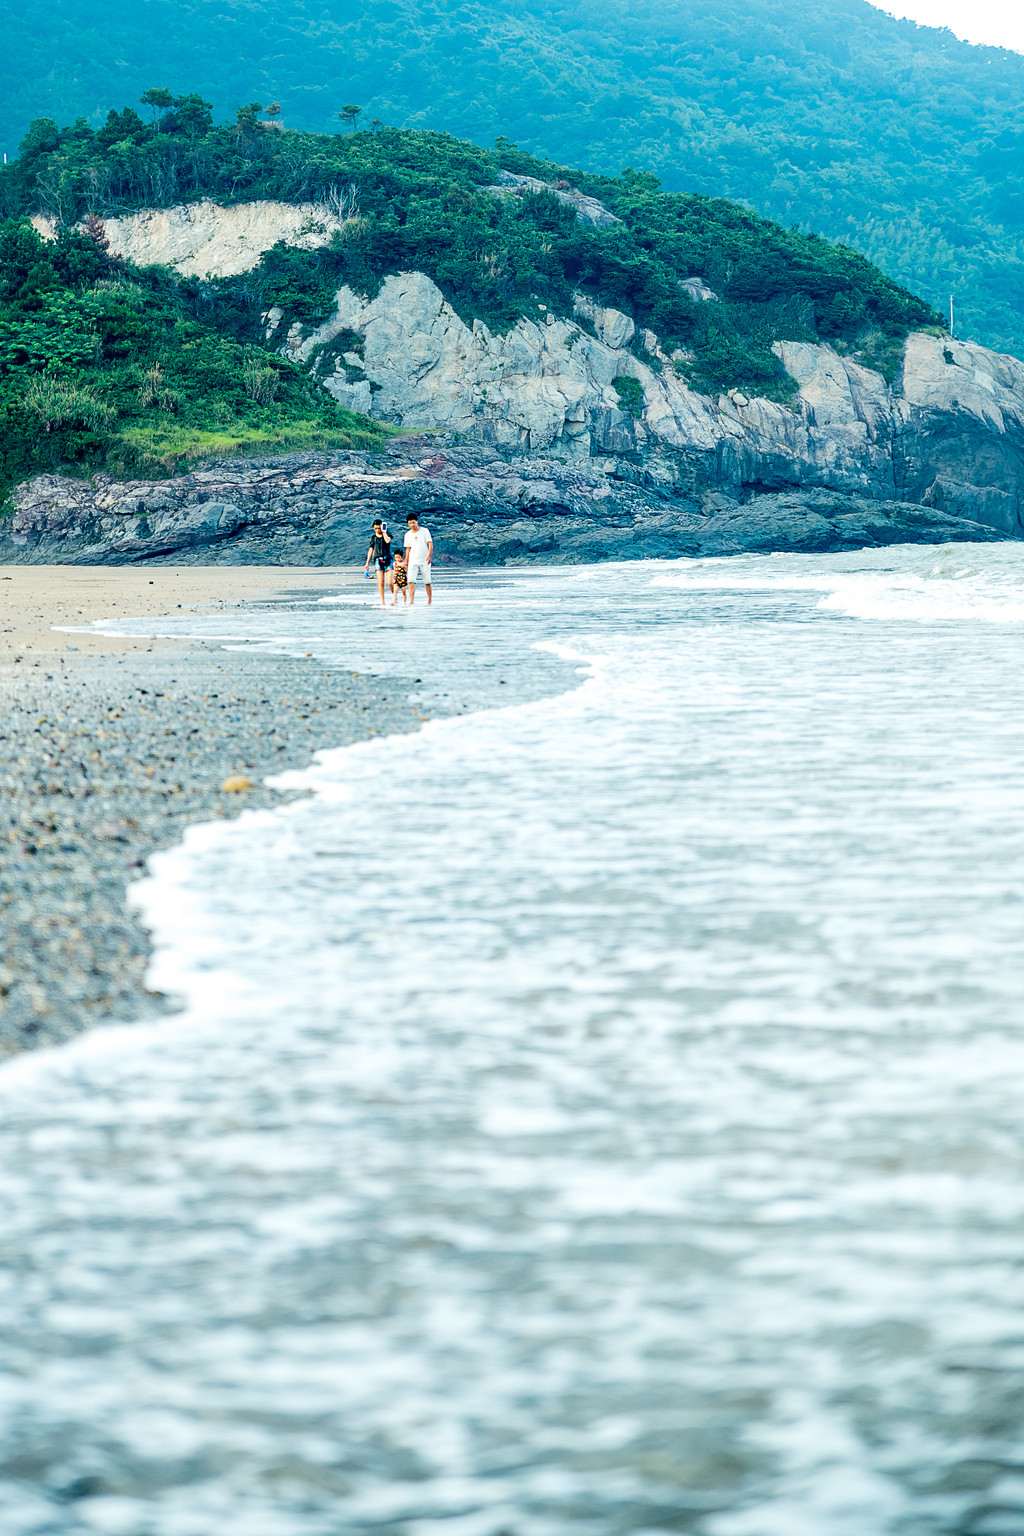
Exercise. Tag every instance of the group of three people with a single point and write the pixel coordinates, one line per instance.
(401, 569)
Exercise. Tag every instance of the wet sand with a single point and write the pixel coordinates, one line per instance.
(111, 746)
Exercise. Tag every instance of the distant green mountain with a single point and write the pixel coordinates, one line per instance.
(825, 114)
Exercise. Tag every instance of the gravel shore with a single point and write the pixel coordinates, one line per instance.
(106, 758)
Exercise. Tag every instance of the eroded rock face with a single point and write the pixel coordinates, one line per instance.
(949, 434)
(698, 290)
(545, 385)
(588, 210)
(207, 240)
(483, 509)
(961, 446)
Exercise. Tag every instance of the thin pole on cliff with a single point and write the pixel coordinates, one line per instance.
(951, 316)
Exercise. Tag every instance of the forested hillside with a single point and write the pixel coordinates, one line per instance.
(102, 363)
(415, 200)
(823, 113)
(105, 367)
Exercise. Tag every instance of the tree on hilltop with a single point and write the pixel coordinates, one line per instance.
(246, 119)
(158, 99)
(349, 113)
(193, 115)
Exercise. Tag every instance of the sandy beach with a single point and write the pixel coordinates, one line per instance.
(35, 600)
(111, 746)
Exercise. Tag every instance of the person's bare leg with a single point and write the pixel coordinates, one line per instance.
(429, 591)
(412, 593)
(380, 585)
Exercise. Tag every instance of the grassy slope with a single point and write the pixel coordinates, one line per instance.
(103, 366)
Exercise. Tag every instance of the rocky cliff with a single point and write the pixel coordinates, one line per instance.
(948, 434)
(207, 240)
(564, 438)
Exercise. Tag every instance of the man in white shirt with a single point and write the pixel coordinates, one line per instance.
(419, 552)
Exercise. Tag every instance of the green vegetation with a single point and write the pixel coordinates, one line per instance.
(630, 393)
(105, 366)
(824, 114)
(415, 200)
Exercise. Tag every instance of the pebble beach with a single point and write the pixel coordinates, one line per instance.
(110, 746)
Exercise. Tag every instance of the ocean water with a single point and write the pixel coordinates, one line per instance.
(601, 1113)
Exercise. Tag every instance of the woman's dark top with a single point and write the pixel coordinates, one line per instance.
(381, 550)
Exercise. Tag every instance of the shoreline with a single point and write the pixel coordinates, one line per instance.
(111, 746)
(34, 598)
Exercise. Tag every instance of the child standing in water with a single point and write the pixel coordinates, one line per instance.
(399, 581)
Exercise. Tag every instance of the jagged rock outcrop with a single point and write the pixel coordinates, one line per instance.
(698, 290)
(587, 209)
(317, 508)
(949, 433)
(208, 240)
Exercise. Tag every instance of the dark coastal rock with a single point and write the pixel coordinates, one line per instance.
(818, 522)
(316, 509)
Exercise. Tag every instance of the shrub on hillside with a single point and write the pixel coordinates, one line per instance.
(102, 365)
